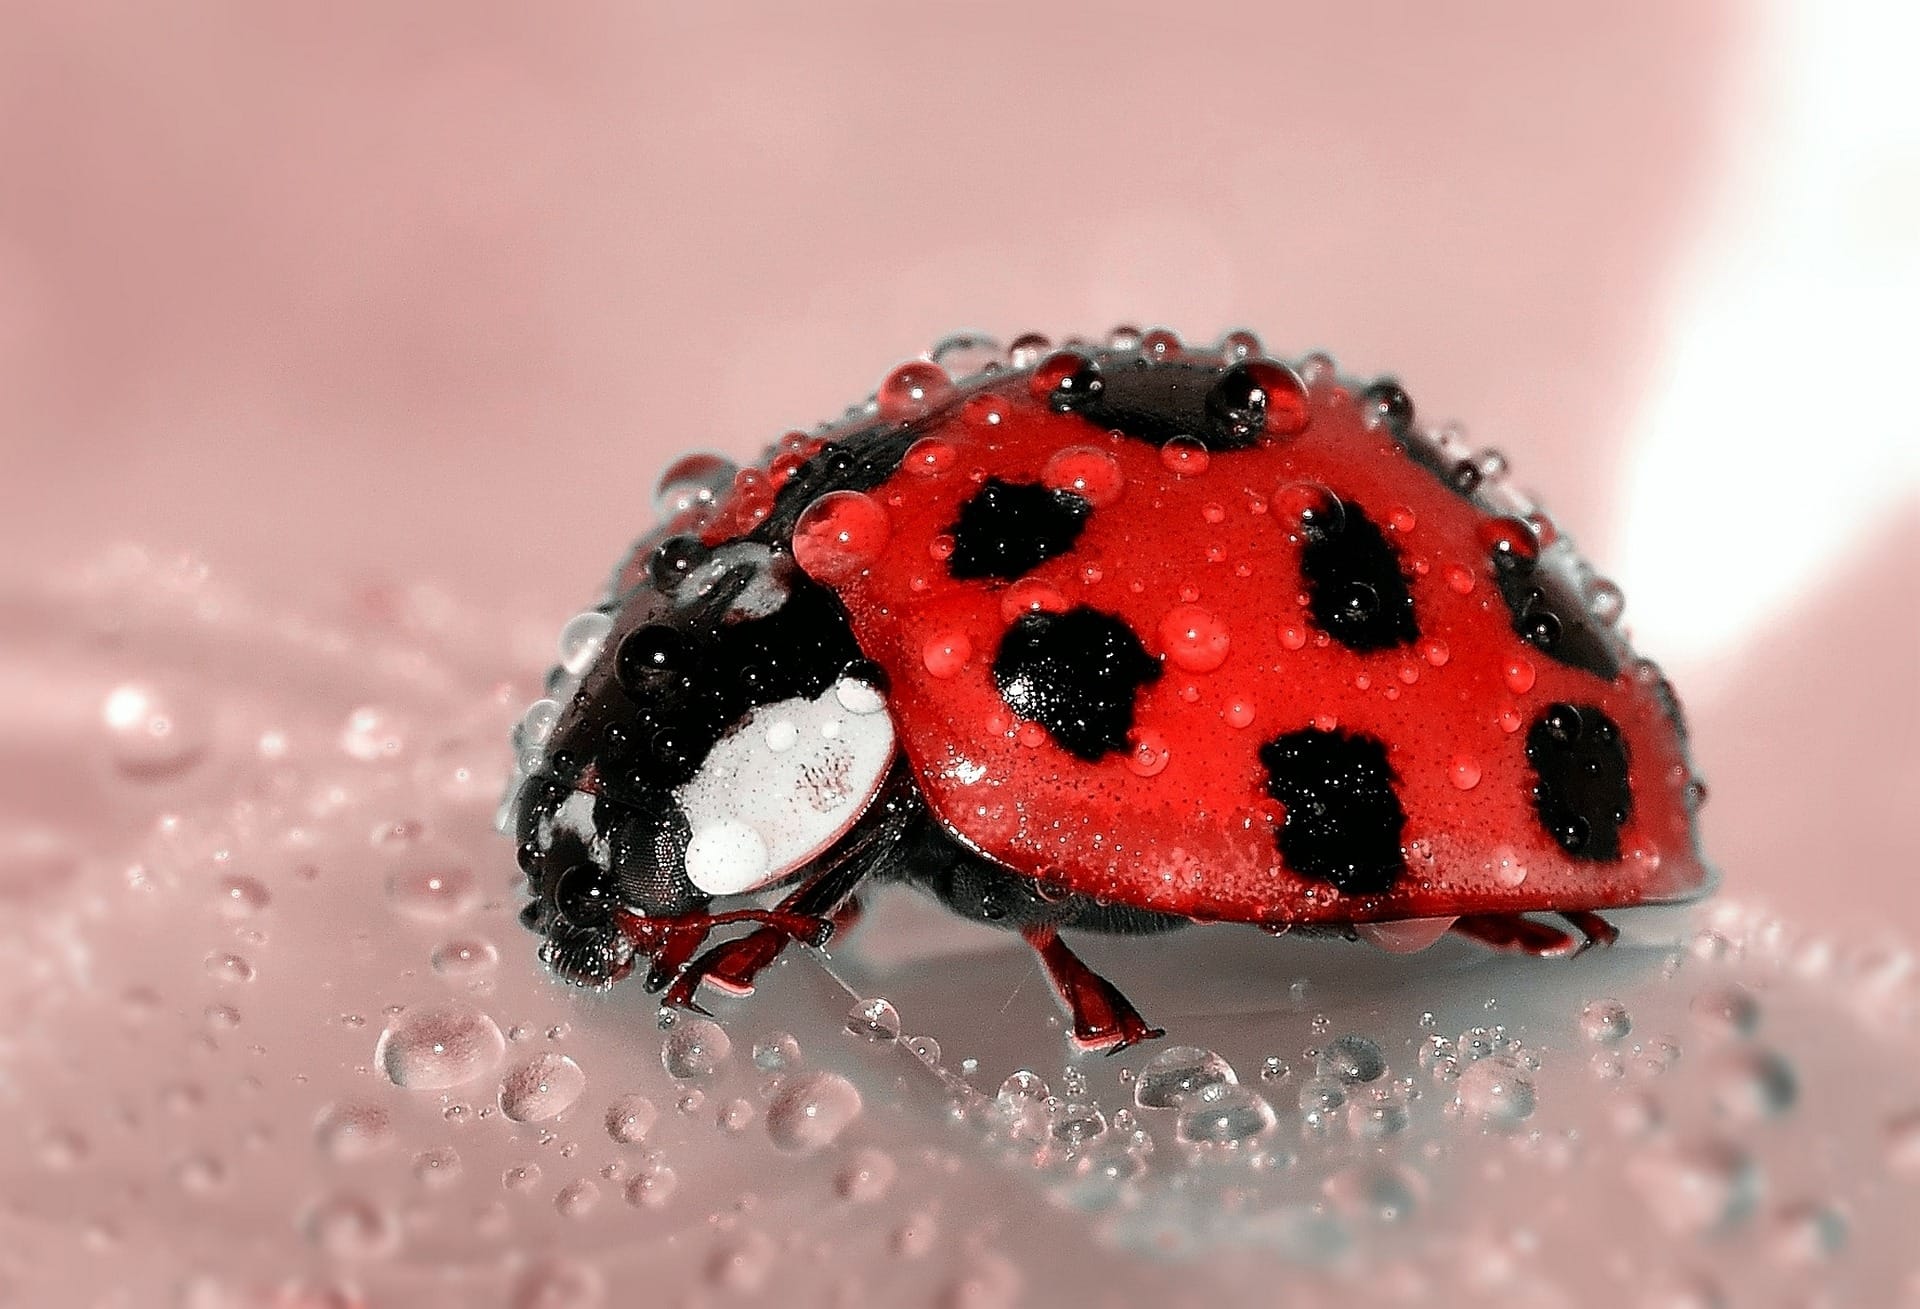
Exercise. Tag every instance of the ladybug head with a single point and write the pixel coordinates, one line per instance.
(727, 735)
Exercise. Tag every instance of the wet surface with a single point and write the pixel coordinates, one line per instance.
(273, 1037)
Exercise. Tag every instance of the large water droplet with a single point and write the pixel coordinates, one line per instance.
(630, 1118)
(912, 390)
(840, 535)
(152, 734)
(435, 1048)
(810, 1110)
(1353, 1059)
(652, 1187)
(866, 1177)
(874, 1020)
(544, 1087)
(434, 891)
(351, 1130)
(1178, 1072)
(465, 956)
(1221, 1113)
(692, 481)
(1605, 1021)
(1497, 1091)
(694, 1047)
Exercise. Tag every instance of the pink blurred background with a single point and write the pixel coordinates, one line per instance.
(331, 295)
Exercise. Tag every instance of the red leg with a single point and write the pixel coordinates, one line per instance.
(1594, 930)
(1103, 1019)
(670, 942)
(1516, 932)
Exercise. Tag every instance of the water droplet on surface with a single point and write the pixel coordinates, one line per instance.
(432, 1049)
(372, 734)
(840, 535)
(776, 1053)
(1605, 1021)
(466, 956)
(1222, 1113)
(1184, 456)
(582, 640)
(1353, 1059)
(1376, 1190)
(741, 1263)
(912, 390)
(926, 1049)
(434, 892)
(866, 1177)
(437, 1168)
(1696, 1187)
(652, 1187)
(874, 1020)
(351, 1227)
(1088, 471)
(1808, 1232)
(1066, 380)
(967, 354)
(630, 1118)
(694, 1047)
(810, 1111)
(577, 1198)
(1497, 1090)
(230, 968)
(690, 482)
(1750, 1085)
(1194, 639)
(1728, 1010)
(351, 1130)
(153, 735)
(544, 1087)
(1078, 1122)
(558, 1283)
(241, 897)
(1464, 772)
(1176, 1073)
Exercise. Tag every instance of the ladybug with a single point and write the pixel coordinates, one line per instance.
(1116, 638)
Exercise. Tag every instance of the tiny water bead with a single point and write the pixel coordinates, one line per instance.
(630, 1118)
(810, 1110)
(230, 968)
(1605, 1021)
(776, 1052)
(1184, 456)
(874, 1020)
(577, 1198)
(694, 1047)
(465, 956)
(840, 535)
(432, 1049)
(434, 892)
(1175, 1073)
(437, 1168)
(239, 896)
(582, 640)
(544, 1087)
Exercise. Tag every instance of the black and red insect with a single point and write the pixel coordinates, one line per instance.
(1113, 638)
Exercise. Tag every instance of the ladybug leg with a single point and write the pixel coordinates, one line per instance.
(1517, 932)
(823, 903)
(1594, 930)
(669, 942)
(1103, 1019)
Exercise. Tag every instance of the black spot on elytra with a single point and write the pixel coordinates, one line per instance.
(1155, 402)
(1580, 787)
(1355, 589)
(1008, 529)
(1544, 598)
(1076, 674)
(1343, 819)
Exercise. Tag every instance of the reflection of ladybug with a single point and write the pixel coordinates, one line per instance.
(1117, 638)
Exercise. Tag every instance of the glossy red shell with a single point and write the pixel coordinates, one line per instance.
(1202, 560)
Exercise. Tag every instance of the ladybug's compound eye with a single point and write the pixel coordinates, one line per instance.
(653, 660)
(583, 897)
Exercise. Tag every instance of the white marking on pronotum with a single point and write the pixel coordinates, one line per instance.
(784, 785)
(575, 817)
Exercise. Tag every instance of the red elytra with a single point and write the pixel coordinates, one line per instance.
(1218, 597)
